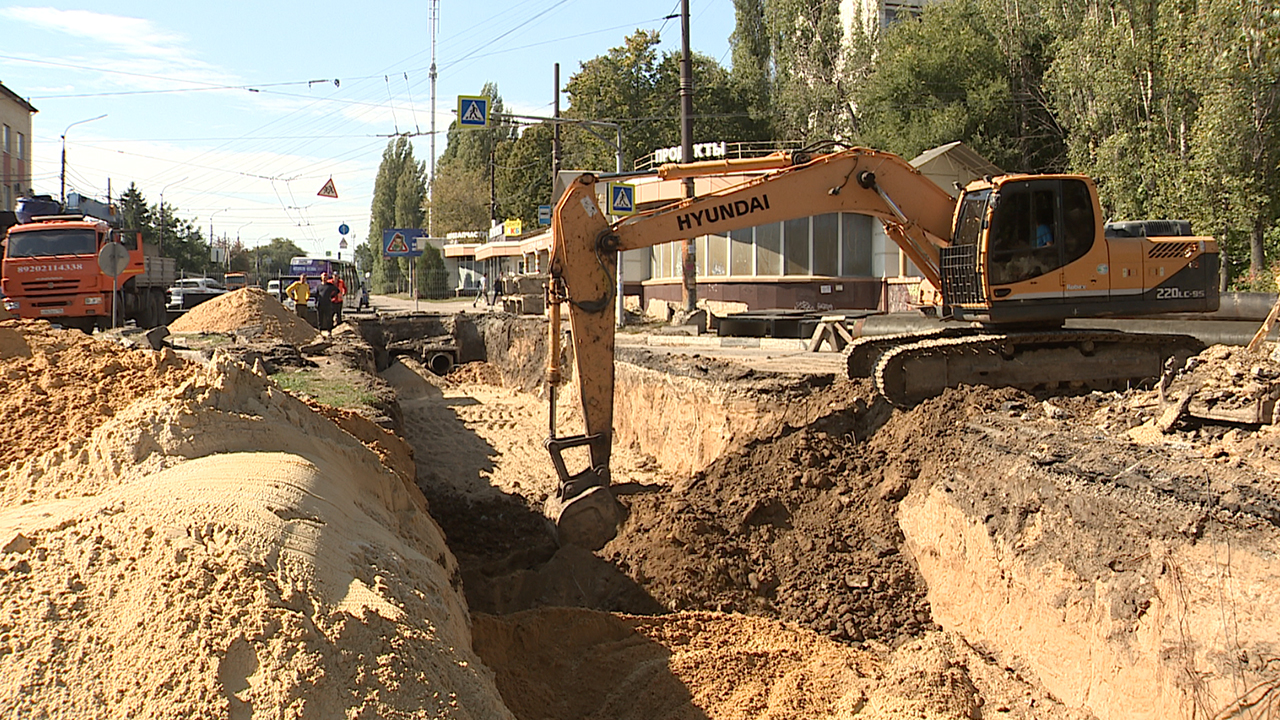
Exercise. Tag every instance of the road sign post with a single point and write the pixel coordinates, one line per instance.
(473, 111)
(113, 259)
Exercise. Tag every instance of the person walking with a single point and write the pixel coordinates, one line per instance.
(326, 291)
(481, 293)
(497, 290)
(300, 292)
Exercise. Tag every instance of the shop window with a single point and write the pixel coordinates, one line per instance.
(717, 255)
(826, 244)
(769, 249)
(741, 252)
(855, 245)
(796, 245)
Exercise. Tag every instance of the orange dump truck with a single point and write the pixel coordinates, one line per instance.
(52, 271)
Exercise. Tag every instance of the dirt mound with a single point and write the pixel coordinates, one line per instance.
(59, 385)
(563, 663)
(799, 527)
(250, 312)
(478, 373)
(158, 563)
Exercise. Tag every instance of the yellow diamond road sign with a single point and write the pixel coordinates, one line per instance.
(622, 198)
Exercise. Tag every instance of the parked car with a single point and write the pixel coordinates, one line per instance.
(189, 292)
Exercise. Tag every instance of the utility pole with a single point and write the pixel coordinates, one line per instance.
(688, 253)
(63, 191)
(160, 241)
(434, 22)
(555, 133)
(493, 189)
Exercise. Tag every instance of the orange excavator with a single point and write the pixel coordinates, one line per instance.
(1011, 259)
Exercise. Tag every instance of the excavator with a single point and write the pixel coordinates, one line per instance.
(1010, 260)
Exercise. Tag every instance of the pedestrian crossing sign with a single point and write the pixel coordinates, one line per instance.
(473, 111)
(622, 199)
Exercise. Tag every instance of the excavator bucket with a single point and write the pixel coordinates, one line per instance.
(583, 510)
(589, 519)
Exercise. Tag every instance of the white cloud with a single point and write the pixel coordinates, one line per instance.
(134, 36)
(127, 44)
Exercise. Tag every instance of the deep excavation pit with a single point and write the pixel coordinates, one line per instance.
(1129, 573)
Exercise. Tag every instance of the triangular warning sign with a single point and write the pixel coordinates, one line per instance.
(473, 115)
(621, 199)
(397, 244)
(328, 190)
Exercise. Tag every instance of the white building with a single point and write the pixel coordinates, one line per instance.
(872, 15)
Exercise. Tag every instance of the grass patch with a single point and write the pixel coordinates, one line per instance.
(326, 389)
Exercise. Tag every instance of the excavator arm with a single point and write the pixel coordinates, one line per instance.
(917, 216)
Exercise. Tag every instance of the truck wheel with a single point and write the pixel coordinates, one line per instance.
(159, 314)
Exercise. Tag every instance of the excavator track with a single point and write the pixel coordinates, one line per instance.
(863, 354)
(1073, 360)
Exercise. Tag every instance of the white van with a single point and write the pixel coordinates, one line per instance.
(205, 287)
(275, 289)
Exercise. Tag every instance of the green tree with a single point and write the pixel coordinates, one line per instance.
(1235, 140)
(399, 192)
(272, 260)
(752, 74)
(916, 97)
(459, 199)
(432, 277)
(810, 94)
(524, 177)
(135, 214)
(632, 85)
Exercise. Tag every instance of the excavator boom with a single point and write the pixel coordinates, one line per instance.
(584, 262)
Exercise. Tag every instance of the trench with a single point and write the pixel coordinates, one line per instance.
(1120, 578)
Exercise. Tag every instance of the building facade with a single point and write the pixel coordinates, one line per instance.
(15, 147)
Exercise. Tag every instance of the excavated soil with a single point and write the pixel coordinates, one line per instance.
(55, 387)
(249, 312)
(1064, 536)
(180, 540)
(556, 656)
(191, 541)
(799, 526)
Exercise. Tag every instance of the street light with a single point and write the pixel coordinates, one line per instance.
(166, 187)
(64, 154)
(237, 242)
(215, 212)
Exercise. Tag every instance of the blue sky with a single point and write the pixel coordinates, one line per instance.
(240, 112)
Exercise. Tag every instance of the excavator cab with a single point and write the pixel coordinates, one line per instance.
(1031, 250)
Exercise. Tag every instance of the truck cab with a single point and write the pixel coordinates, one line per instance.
(51, 272)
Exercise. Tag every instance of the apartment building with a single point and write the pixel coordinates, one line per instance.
(15, 147)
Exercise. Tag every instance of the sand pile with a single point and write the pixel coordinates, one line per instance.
(572, 663)
(249, 311)
(58, 385)
(158, 563)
